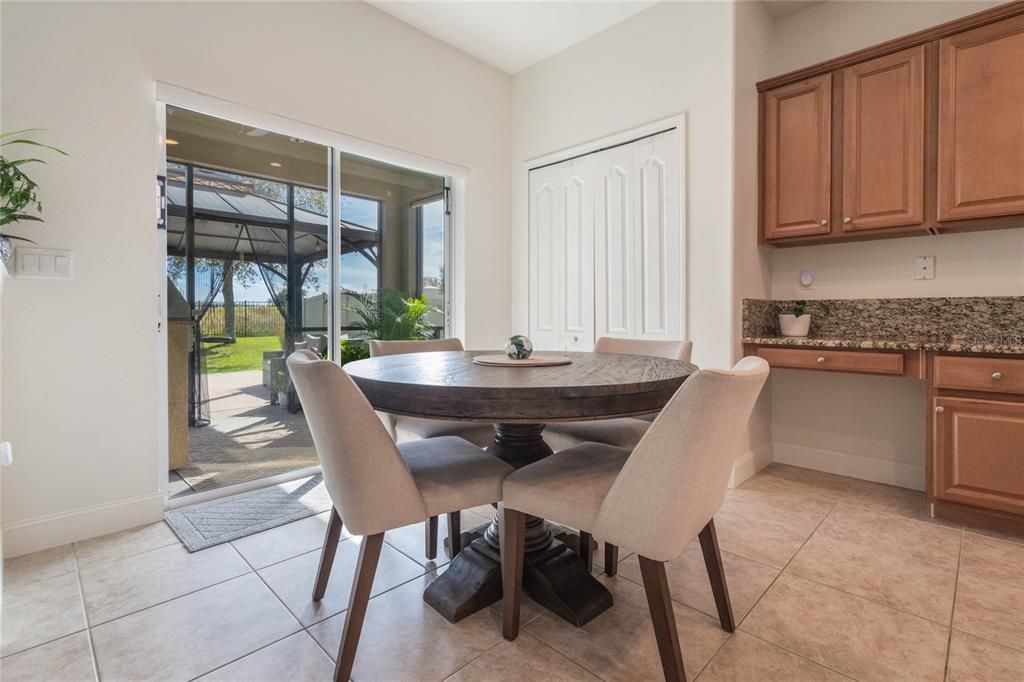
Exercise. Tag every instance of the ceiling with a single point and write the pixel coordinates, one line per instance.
(513, 35)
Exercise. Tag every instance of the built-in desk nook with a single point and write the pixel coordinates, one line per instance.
(970, 353)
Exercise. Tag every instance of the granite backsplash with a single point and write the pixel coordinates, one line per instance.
(984, 319)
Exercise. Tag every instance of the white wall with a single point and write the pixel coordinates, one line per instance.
(80, 391)
(697, 58)
(872, 427)
(669, 59)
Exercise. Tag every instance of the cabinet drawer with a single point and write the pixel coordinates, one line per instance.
(834, 360)
(1000, 375)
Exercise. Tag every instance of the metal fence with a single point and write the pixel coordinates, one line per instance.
(251, 319)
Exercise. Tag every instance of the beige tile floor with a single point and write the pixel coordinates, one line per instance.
(832, 579)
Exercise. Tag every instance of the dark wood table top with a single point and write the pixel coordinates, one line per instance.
(447, 385)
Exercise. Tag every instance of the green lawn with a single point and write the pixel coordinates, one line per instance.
(245, 354)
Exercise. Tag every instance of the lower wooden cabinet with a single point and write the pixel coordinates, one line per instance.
(978, 453)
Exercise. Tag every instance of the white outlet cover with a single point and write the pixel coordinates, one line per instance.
(807, 279)
(925, 268)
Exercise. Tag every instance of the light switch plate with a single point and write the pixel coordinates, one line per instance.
(925, 267)
(33, 262)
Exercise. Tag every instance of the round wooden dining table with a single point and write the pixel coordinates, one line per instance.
(519, 401)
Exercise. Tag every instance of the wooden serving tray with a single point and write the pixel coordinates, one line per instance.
(532, 361)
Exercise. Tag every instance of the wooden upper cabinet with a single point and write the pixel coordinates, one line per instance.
(797, 158)
(981, 122)
(883, 142)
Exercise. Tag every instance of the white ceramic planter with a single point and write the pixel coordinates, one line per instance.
(791, 325)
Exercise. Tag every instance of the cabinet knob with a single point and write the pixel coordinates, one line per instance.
(940, 409)
(996, 376)
(846, 221)
(575, 339)
(824, 222)
(821, 359)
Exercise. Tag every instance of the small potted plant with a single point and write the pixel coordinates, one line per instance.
(798, 323)
(17, 190)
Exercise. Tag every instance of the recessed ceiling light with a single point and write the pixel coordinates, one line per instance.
(275, 164)
(170, 141)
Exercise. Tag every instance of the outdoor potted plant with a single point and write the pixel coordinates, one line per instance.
(17, 190)
(798, 323)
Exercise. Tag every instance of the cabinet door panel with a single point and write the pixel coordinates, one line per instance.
(798, 158)
(577, 285)
(545, 258)
(981, 122)
(659, 238)
(979, 453)
(613, 224)
(883, 142)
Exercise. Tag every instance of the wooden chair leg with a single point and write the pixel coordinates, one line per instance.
(366, 568)
(431, 537)
(511, 537)
(659, 601)
(611, 559)
(454, 533)
(323, 573)
(716, 573)
(587, 550)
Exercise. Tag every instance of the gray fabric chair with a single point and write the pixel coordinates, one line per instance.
(625, 432)
(406, 429)
(652, 501)
(376, 485)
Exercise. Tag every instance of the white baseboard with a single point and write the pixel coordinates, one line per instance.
(32, 535)
(847, 464)
(750, 463)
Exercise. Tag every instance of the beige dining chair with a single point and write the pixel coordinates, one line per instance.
(376, 485)
(624, 432)
(652, 501)
(414, 428)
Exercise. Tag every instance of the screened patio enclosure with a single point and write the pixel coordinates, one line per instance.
(219, 222)
(259, 265)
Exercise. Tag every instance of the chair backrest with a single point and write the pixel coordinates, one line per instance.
(676, 478)
(424, 346)
(365, 475)
(673, 350)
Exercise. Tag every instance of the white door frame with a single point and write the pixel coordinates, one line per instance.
(455, 177)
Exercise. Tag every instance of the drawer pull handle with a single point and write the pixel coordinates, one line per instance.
(996, 376)
(940, 409)
(821, 359)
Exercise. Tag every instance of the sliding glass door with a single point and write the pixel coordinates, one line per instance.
(391, 254)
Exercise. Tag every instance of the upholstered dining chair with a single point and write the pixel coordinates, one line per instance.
(414, 428)
(624, 432)
(376, 485)
(652, 501)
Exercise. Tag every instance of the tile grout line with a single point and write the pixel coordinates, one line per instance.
(250, 653)
(85, 615)
(952, 611)
(800, 656)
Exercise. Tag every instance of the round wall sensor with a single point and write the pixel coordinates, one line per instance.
(806, 279)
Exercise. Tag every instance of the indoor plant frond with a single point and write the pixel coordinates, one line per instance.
(17, 190)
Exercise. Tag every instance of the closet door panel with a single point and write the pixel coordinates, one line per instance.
(658, 237)
(577, 199)
(545, 257)
(614, 243)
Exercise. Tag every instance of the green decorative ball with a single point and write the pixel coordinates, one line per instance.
(518, 347)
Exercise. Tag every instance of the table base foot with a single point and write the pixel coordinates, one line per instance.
(554, 577)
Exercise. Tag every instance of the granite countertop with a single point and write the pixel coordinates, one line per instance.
(1008, 345)
(970, 324)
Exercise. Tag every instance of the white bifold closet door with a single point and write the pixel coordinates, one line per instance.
(606, 246)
